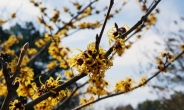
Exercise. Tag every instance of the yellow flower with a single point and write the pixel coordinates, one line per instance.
(63, 64)
(13, 15)
(85, 100)
(52, 65)
(26, 75)
(142, 80)
(114, 34)
(182, 47)
(16, 105)
(124, 85)
(31, 51)
(68, 74)
(13, 63)
(55, 16)
(23, 90)
(52, 101)
(41, 42)
(2, 21)
(3, 91)
(25, 60)
(11, 40)
(119, 47)
(151, 19)
(65, 9)
(91, 62)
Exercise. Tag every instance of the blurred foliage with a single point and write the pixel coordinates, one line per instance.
(175, 102)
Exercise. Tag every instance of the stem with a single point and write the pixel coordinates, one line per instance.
(21, 56)
(76, 16)
(33, 58)
(98, 38)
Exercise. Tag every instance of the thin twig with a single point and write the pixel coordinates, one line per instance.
(21, 56)
(76, 16)
(98, 38)
(119, 93)
(141, 20)
(123, 35)
(33, 58)
(44, 73)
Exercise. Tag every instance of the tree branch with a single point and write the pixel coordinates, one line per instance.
(76, 16)
(98, 38)
(21, 56)
(123, 35)
(46, 95)
(12, 87)
(33, 58)
(119, 93)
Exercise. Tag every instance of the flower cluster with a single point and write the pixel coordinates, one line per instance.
(94, 64)
(53, 100)
(89, 25)
(68, 74)
(182, 47)
(5, 46)
(114, 36)
(18, 104)
(85, 100)
(41, 42)
(31, 51)
(24, 79)
(33, 92)
(100, 91)
(59, 53)
(124, 85)
(142, 80)
(3, 86)
(161, 63)
(52, 65)
(91, 62)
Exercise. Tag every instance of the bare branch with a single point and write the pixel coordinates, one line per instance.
(76, 16)
(141, 20)
(21, 56)
(12, 87)
(98, 38)
(33, 58)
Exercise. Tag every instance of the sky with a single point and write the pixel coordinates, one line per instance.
(128, 64)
